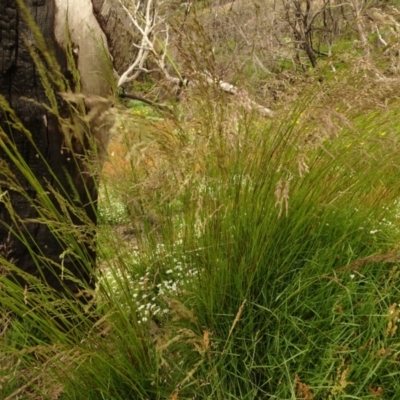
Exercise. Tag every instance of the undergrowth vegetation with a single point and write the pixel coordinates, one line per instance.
(239, 256)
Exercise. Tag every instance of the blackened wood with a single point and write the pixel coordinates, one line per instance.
(51, 162)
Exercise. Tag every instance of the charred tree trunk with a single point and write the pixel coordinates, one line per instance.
(46, 183)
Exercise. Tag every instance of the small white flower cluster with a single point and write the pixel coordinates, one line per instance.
(146, 290)
(384, 222)
(181, 276)
(111, 208)
(148, 293)
(384, 225)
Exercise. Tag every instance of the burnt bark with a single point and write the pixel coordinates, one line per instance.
(31, 233)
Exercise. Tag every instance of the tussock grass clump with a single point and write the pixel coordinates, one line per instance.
(291, 227)
(264, 264)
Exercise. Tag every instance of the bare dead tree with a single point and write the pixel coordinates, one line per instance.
(316, 23)
(301, 17)
(154, 29)
(298, 19)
